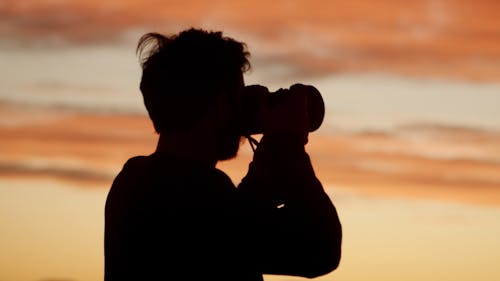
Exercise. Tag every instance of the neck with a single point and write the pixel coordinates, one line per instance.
(198, 150)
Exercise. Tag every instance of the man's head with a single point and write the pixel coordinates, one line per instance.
(186, 74)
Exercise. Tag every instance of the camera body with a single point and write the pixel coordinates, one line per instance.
(255, 97)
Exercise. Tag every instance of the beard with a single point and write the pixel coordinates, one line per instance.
(228, 141)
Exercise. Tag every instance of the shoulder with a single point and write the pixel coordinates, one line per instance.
(132, 169)
(135, 166)
(136, 162)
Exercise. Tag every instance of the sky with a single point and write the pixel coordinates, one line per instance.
(80, 54)
(410, 139)
(431, 38)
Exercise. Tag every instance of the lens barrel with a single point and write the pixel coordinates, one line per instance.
(256, 96)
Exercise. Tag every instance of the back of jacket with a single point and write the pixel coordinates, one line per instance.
(167, 220)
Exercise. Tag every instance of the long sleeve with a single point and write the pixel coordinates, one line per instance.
(296, 228)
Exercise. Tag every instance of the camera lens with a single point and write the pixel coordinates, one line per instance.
(256, 96)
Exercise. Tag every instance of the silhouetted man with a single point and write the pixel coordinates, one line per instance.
(173, 216)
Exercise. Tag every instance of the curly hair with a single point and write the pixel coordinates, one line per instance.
(182, 74)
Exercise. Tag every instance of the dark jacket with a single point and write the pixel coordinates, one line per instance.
(171, 220)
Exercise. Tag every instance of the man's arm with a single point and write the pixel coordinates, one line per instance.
(296, 229)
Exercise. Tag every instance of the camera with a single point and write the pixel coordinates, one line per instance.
(256, 96)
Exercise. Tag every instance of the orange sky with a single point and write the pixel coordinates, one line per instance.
(65, 58)
(431, 162)
(440, 39)
(425, 38)
(446, 38)
(408, 191)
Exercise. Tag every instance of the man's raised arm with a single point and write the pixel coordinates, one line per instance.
(296, 230)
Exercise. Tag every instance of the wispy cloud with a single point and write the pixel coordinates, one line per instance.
(451, 38)
(420, 160)
(60, 172)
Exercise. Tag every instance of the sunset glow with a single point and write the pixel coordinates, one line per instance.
(409, 150)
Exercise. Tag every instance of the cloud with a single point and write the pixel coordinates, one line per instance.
(88, 21)
(75, 174)
(422, 159)
(314, 37)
